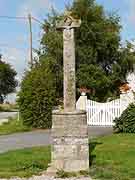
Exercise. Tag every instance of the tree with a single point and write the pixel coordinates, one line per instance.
(7, 80)
(98, 50)
(101, 63)
(38, 95)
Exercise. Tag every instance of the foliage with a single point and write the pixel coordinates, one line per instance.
(25, 162)
(98, 47)
(37, 96)
(126, 122)
(13, 126)
(96, 79)
(101, 62)
(112, 157)
(7, 80)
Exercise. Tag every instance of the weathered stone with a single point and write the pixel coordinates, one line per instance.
(72, 124)
(71, 165)
(70, 142)
(73, 118)
(70, 150)
(58, 164)
(67, 25)
(69, 70)
(70, 132)
(58, 131)
(76, 165)
(76, 152)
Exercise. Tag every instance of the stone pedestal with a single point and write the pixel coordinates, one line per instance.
(70, 150)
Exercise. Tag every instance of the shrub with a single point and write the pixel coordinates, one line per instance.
(37, 95)
(126, 122)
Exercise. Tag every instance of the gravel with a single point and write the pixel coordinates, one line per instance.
(48, 178)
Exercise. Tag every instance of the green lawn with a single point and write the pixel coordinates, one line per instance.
(113, 157)
(13, 126)
(24, 163)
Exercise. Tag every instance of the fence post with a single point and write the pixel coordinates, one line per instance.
(126, 99)
(82, 102)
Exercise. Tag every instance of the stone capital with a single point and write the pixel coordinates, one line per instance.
(69, 22)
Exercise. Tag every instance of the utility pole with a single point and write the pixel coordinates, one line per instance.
(30, 39)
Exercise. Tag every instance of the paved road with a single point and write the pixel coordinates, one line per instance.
(40, 138)
(96, 131)
(23, 140)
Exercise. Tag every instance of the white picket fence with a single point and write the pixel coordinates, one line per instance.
(103, 114)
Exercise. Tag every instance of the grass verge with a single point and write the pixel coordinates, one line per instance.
(8, 107)
(113, 157)
(24, 163)
(13, 126)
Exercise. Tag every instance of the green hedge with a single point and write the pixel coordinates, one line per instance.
(37, 95)
(126, 123)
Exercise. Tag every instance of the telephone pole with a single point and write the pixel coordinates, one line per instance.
(30, 39)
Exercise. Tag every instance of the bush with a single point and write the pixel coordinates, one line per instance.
(126, 123)
(37, 95)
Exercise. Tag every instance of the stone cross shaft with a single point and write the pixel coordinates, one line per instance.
(69, 70)
(68, 26)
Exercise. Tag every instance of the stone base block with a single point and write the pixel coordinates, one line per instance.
(71, 165)
(70, 150)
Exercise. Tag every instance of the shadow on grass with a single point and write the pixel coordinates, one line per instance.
(92, 146)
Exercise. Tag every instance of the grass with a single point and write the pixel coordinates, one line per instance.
(24, 163)
(113, 157)
(13, 126)
(8, 107)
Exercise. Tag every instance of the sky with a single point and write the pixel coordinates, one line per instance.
(14, 34)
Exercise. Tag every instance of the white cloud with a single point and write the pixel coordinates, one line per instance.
(35, 7)
(17, 58)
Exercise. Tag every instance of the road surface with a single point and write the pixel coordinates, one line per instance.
(40, 138)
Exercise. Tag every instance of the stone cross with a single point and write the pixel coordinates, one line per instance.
(68, 25)
(70, 151)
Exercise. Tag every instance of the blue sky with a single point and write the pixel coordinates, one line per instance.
(14, 33)
(126, 10)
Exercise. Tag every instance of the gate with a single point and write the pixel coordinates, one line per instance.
(103, 114)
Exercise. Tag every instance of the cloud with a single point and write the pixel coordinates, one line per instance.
(35, 7)
(17, 58)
